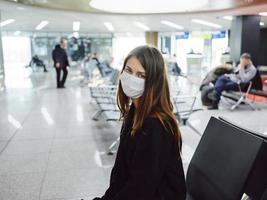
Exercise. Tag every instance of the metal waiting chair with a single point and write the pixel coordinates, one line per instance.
(243, 97)
(244, 90)
(105, 97)
(184, 107)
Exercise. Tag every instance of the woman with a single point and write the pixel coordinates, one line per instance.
(148, 164)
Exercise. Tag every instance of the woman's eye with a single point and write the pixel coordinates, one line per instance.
(128, 70)
(141, 76)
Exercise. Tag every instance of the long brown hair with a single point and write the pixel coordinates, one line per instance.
(155, 100)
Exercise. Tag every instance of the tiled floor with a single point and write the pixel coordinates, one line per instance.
(48, 143)
(51, 149)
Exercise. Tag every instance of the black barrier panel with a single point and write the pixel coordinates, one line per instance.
(257, 181)
(222, 162)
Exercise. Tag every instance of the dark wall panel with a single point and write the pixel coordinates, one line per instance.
(263, 47)
(245, 37)
(251, 37)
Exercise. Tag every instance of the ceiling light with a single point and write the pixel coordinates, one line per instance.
(41, 25)
(263, 13)
(206, 23)
(6, 22)
(261, 23)
(171, 24)
(230, 18)
(109, 26)
(142, 26)
(148, 6)
(76, 26)
(17, 33)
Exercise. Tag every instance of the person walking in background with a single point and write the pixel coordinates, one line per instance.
(61, 62)
(148, 165)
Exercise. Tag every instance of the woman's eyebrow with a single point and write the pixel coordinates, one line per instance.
(128, 67)
(142, 72)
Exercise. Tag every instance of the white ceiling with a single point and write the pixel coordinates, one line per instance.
(27, 18)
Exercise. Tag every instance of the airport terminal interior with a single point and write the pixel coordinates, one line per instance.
(59, 138)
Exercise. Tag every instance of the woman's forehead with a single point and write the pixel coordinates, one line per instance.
(135, 65)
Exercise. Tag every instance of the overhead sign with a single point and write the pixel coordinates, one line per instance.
(182, 35)
(201, 35)
(219, 34)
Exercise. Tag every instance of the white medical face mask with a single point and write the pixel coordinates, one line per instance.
(132, 86)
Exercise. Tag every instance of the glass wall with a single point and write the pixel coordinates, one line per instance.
(220, 50)
(20, 47)
(197, 50)
(78, 48)
(17, 55)
(122, 44)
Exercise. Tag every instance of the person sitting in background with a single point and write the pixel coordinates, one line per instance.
(207, 85)
(243, 74)
(215, 73)
(148, 165)
(94, 57)
(38, 62)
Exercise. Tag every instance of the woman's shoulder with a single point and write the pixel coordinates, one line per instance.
(155, 125)
(152, 122)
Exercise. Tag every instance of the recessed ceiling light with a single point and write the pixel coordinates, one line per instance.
(263, 13)
(6, 22)
(148, 6)
(171, 24)
(142, 26)
(41, 25)
(230, 18)
(76, 26)
(109, 26)
(206, 23)
(261, 23)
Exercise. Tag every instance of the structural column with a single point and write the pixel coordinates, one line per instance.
(245, 37)
(152, 38)
(2, 70)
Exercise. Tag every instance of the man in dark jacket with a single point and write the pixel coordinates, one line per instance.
(61, 62)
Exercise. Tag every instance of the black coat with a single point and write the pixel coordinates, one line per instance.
(59, 55)
(147, 166)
